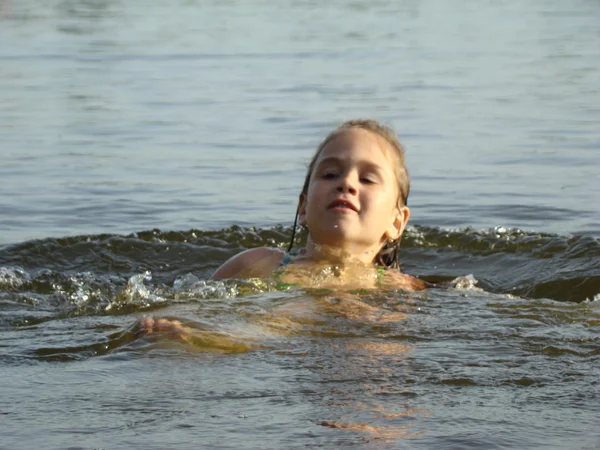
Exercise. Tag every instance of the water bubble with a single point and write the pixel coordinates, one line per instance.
(185, 282)
(500, 230)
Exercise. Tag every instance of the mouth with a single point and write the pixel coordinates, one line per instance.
(340, 204)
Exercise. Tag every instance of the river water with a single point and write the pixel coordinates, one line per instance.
(143, 144)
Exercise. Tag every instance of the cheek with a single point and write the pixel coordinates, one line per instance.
(383, 200)
(314, 193)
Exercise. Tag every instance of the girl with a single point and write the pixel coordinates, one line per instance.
(353, 204)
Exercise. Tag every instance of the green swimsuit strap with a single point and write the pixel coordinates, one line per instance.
(279, 271)
(380, 275)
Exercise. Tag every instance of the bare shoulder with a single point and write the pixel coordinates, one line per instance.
(256, 262)
(394, 279)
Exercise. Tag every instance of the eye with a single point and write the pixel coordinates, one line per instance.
(368, 180)
(328, 175)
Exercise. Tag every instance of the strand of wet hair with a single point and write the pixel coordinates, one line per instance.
(389, 255)
(293, 231)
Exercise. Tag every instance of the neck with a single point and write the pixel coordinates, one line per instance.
(340, 254)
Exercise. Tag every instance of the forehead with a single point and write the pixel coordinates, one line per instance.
(358, 144)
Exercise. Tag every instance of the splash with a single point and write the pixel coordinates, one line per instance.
(12, 278)
(190, 286)
(466, 283)
(136, 292)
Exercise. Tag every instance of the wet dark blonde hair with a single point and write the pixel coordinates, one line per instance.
(389, 254)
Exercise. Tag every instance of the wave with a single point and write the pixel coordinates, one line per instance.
(98, 271)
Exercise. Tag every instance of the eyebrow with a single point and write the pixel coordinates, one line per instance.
(342, 161)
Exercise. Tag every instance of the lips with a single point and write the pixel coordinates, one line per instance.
(342, 204)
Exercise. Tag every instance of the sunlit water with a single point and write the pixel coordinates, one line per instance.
(188, 117)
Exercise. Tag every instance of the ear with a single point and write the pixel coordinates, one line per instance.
(302, 209)
(399, 222)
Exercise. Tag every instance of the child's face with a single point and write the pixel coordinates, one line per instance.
(352, 196)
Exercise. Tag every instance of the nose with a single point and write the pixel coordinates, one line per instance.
(346, 185)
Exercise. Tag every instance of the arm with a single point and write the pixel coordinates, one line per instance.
(256, 262)
(204, 340)
(253, 263)
(395, 279)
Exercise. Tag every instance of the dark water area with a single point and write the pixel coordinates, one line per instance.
(141, 145)
(531, 265)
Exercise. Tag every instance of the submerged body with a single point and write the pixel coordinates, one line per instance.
(344, 273)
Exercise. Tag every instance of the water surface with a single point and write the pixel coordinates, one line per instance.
(134, 135)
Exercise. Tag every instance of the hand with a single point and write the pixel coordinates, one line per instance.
(201, 340)
(170, 328)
